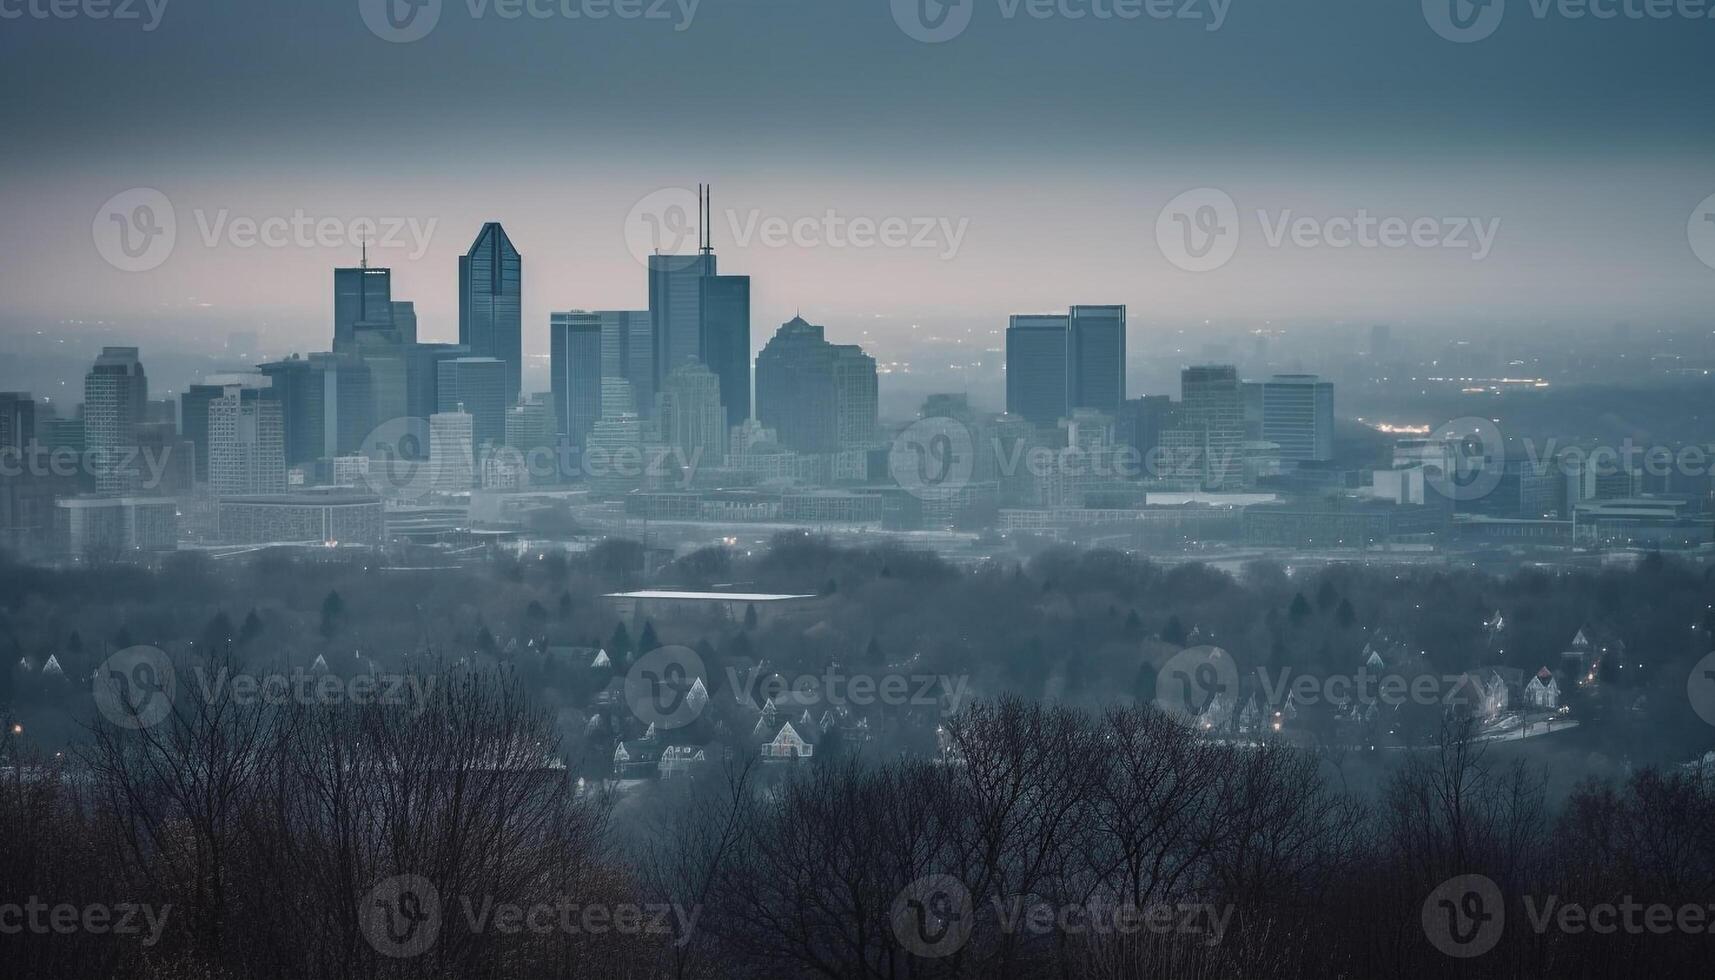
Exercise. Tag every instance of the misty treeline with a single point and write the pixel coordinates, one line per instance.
(260, 831)
(1077, 627)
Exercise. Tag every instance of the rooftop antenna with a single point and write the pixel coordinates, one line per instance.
(706, 219)
(365, 245)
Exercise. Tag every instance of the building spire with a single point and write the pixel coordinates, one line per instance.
(705, 235)
(364, 261)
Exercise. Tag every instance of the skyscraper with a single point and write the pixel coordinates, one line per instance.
(246, 442)
(613, 452)
(820, 397)
(1036, 368)
(1298, 416)
(490, 305)
(697, 314)
(477, 387)
(360, 295)
(689, 412)
(1095, 358)
(405, 320)
(17, 419)
(575, 361)
(115, 394)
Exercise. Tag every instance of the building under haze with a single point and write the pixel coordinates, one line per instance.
(452, 450)
(476, 386)
(246, 442)
(1206, 444)
(17, 419)
(575, 360)
(689, 414)
(115, 397)
(819, 397)
(491, 320)
(1298, 416)
(1056, 362)
(696, 314)
(361, 296)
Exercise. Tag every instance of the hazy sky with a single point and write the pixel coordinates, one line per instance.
(1050, 145)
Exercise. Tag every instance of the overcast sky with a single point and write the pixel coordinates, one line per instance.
(1048, 147)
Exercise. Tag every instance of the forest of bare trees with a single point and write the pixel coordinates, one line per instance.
(1061, 826)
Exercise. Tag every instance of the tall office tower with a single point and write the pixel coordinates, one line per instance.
(193, 421)
(617, 398)
(490, 305)
(478, 384)
(857, 402)
(17, 419)
(632, 335)
(422, 373)
(698, 315)
(452, 450)
(405, 320)
(347, 403)
(360, 295)
(1036, 386)
(296, 384)
(726, 340)
(246, 443)
(819, 396)
(1250, 393)
(1142, 420)
(1212, 422)
(688, 411)
(1298, 416)
(115, 396)
(1095, 358)
(575, 343)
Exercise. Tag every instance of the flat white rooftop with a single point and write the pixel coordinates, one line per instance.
(723, 596)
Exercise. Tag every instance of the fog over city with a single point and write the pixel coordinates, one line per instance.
(734, 488)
